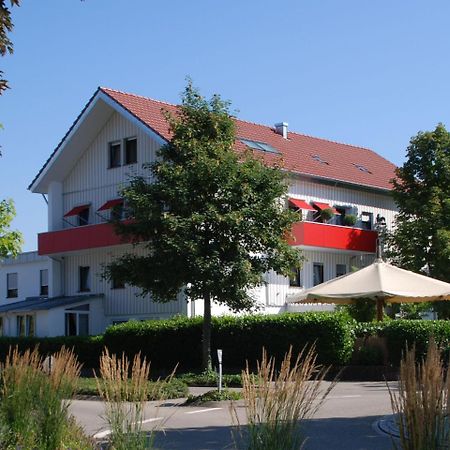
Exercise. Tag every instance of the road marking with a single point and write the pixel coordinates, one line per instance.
(203, 410)
(105, 433)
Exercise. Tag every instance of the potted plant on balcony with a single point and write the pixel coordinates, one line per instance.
(326, 214)
(350, 220)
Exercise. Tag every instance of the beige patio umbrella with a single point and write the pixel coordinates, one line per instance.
(381, 282)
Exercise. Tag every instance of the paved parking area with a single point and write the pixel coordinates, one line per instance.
(344, 422)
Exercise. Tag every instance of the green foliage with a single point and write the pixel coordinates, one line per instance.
(350, 220)
(168, 342)
(368, 356)
(10, 241)
(6, 26)
(87, 348)
(167, 389)
(210, 379)
(421, 240)
(211, 219)
(213, 396)
(326, 214)
(362, 310)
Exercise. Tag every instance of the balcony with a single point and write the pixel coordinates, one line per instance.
(78, 238)
(313, 234)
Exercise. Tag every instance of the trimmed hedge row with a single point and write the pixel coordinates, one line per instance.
(87, 348)
(403, 334)
(178, 341)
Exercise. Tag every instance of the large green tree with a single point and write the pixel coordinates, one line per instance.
(421, 240)
(211, 220)
(10, 240)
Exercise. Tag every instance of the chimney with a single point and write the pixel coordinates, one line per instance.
(282, 129)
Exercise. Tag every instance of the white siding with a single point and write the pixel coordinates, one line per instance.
(91, 181)
(117, 302)
(28, 267)
(359, 200)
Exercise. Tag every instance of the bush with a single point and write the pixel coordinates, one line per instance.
(363, 310)
(350, 220)
(401, 334)
(178, 341)
(86, 348)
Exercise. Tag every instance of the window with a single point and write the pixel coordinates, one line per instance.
(317, 273)
(117, 284)
(114, 155)
(83, 217)
(341, 269)
(12, 285)
(131, 151)
(366, 220)
(117, 212)
(295, 279)
(77, 321)
(43, 282)
(84, 279)
(319, 160)
(362, 168)
(25, 326)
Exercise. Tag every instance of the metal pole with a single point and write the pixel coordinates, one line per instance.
(219, 357)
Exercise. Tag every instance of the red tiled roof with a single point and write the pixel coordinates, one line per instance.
(332, 160)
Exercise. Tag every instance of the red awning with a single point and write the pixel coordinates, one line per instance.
(301, 204)
(75, 211)
(321, 206)
(110, 204)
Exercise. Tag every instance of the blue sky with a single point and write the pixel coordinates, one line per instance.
(356, 71)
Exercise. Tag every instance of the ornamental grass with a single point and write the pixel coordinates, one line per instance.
(125, 389)
(421, 404)
(35, 399)
(277, 402)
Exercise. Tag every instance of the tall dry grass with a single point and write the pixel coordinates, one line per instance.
(277, 402)
(125, 389)
(422, 401)
(34, 407)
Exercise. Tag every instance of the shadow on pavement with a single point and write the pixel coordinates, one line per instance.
(323, 434)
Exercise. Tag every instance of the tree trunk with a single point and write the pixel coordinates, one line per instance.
(206, 337)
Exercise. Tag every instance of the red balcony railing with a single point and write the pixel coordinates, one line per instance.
(313, 234)
(78, 238)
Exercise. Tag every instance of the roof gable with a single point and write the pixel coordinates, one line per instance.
(299, 154)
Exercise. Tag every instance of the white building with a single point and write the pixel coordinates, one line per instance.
(112, 137)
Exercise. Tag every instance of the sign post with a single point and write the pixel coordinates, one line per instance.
(219, 357)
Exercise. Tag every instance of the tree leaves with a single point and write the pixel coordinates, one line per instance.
(212, 220)
(10, 241)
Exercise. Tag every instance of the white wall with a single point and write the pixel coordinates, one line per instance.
(119, 303)
(359, 200)
(27, 266)
(91, 181)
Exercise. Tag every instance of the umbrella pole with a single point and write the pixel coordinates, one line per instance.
(379, 309)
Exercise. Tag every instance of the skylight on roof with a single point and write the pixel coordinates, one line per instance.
(362, 168)
(259, 146)
(319, 159)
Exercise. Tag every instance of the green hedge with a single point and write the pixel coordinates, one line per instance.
(87, 348)
(401, 334)
(178, 341)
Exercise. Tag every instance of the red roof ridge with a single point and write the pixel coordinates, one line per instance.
(103, 88)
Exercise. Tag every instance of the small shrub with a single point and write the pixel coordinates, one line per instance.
(362, 310)
(210, 379)
(326, 214)
(350, 220)
(369, 356)
(213, 396)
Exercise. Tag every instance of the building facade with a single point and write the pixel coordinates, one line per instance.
(340, 191)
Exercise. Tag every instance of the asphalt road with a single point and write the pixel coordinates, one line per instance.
(345, 421)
